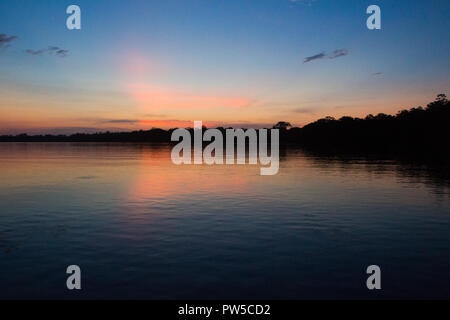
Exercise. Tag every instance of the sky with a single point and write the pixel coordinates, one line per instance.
(245, 63)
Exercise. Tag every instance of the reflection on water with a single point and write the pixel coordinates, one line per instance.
(141, 227)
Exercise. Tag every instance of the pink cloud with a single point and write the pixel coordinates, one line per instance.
(167, 124)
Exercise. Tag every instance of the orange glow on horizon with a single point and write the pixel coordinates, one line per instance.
(150, 97)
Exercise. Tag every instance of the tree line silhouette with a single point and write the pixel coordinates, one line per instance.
(417, 129)
(426, 129)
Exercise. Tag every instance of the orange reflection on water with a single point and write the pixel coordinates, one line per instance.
(158, 178)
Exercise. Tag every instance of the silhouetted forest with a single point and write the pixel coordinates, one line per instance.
(426, 129)
(417, 129)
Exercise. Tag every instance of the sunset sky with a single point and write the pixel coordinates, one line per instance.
(143, 64)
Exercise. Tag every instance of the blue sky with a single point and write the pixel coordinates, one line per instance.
(230, 61)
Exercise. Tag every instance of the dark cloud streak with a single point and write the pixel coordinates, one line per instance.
(34, 52)
(315, 57)
(51, 50)
(5, 40)
(58, 51)
(336, 54)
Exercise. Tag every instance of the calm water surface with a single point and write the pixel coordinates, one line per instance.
(141, 227)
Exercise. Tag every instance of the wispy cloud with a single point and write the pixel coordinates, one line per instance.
(34, 52)
(377, 73)
(315, 57)
(209, 124)
(6, 40)
(58, 51)
(338, 53)
(50, 50)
